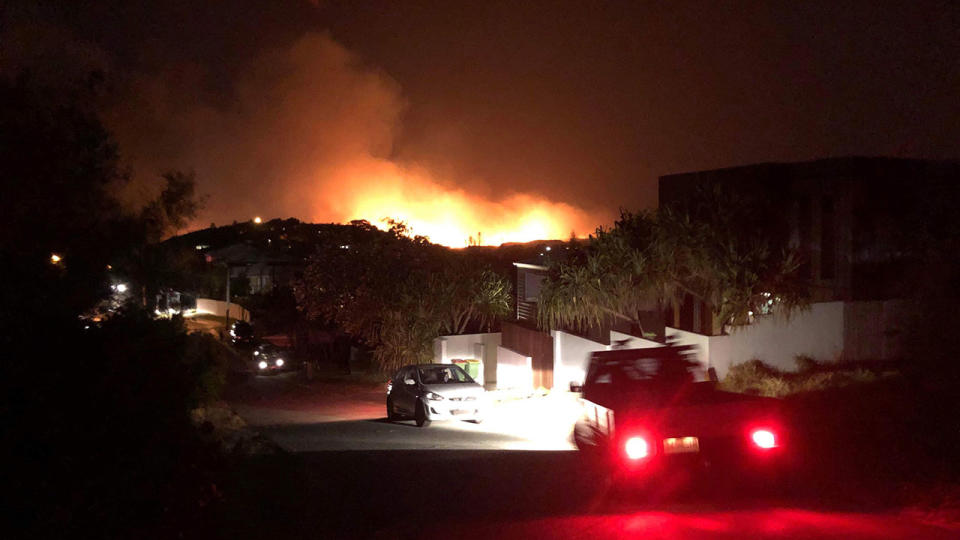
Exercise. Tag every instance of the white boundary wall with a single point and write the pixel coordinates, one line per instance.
(219, 308)
(633, 342)
(817, 332)
(481, 347)
(705, 347)
(571, 354)
(514, 370)
(826, 331)
(776, 340)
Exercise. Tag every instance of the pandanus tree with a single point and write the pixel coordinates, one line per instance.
(714, 249)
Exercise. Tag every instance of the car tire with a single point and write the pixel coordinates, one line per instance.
(391, 414)
(421, 415)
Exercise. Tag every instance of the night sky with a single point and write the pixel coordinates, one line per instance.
(520, 121)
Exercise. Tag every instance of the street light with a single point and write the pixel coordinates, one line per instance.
(55, 259)
(257, 220)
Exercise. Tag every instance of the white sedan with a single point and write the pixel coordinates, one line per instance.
(428, 392)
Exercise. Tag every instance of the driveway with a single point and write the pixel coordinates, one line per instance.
(352, 474)
(319, 416)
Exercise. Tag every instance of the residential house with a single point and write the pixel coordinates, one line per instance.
(263, 270)
(843, 215)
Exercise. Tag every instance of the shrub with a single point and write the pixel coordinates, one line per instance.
(103, 420)
(749, 376)
(207, 360)
(805, 363)
(775, 386)
(755, 376)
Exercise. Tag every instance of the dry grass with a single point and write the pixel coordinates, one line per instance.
(757, 377)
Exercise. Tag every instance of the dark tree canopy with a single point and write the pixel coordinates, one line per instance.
(398, 293)
(715, 249)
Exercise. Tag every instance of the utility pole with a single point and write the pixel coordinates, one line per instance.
(228, 299)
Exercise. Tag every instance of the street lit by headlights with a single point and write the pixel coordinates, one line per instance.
(262, 365)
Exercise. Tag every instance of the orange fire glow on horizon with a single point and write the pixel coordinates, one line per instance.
(455, 217)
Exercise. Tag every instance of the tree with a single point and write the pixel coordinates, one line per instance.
(59, 169)
(61, 173)
(397, 293)
(721, 249)
(713, 249)
(467, 293)
(149, 264)
(104, 432)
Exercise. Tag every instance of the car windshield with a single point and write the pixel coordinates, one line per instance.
(443, 375)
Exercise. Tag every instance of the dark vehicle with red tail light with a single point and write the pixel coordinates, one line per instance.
(647, 415)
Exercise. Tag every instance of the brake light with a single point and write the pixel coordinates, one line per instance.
(764, 438)
(636, 448)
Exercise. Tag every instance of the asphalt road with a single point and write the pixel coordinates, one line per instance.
(352, 474)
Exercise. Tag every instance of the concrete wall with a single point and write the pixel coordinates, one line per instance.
(632, 342)
(219, 308)
(703, 345)
(827, 332)
(514, 370)
(481, 347)
(817, 332)
(571, 356)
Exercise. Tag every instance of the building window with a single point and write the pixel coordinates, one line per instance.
(531, 286)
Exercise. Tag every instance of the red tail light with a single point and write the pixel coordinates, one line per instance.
(636, 448)
(764, 438)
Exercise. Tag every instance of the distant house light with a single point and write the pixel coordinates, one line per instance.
(55, 259)
(257, 220)
(547, 248)
(201, 247)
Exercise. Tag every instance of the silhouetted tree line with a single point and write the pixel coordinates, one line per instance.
(396, 293)
(97, 435)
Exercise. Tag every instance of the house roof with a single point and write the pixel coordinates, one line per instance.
(532, 265)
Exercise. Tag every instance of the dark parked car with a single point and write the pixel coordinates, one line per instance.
(268, 359)
(241, 335)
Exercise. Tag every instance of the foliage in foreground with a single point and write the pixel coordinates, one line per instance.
(99, 441)
(106, 411)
